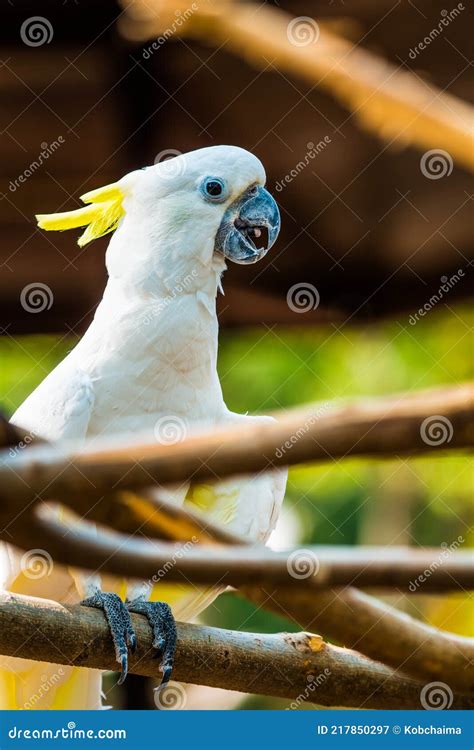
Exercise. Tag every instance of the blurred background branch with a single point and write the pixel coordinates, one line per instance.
(403, 424)
(395, 104)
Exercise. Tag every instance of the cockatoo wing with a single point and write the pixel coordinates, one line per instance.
(60, 407)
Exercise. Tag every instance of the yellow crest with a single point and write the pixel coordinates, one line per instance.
(100, 216)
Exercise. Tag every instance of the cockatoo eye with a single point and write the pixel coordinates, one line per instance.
(214, 189)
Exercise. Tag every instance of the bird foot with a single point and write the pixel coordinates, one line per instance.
(163, 625)
(120, 625)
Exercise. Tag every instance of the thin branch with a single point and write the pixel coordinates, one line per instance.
(292, 666)
(11, 435)
(377, 630)
(313, 568)
(441, 419)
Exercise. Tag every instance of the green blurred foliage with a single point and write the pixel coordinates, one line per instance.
(24, 363)
(279, 369)
(423, 501)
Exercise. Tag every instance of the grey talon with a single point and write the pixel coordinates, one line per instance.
(124, 670)
(120, 626)
(132, 642)
(163, 625)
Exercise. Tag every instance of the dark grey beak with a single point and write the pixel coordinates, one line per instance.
(249, 226)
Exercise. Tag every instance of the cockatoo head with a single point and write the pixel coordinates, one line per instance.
(216, 195)
(197, 207)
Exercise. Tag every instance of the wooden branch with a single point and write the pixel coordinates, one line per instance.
(391, 102)
(380, 632)
(10, 435)
(441, 419)
(313, 568)
(401, 420)
(351, 617)
(292, 666)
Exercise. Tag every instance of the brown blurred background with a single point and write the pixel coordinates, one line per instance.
(360, 222)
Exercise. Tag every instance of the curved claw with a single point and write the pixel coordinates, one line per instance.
(132, 641)
(163, 625)
(124, 670)
(166, 675)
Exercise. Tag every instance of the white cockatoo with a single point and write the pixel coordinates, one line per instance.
(148, 362)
